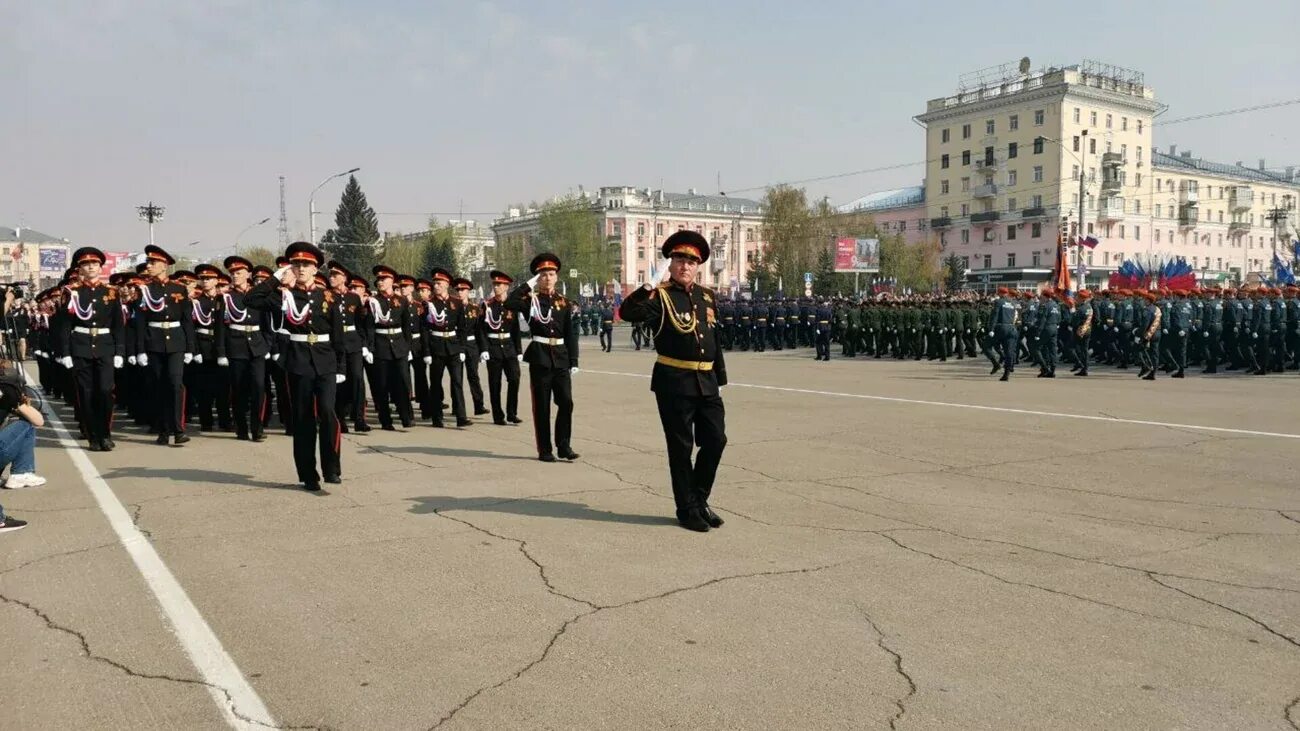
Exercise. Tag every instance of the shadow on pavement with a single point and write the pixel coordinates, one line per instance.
(534, 507)
(441, 452)
(191, 475)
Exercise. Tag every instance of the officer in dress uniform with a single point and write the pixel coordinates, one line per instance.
(211, 385)
(165, 342)
(498, 330)
(1002, 333)
(552, 355)
(688, 375)
(390, 314)
(313, 359)
(349, 403)
(606, 314)
(444, 332)
(473, 317)
(93, 344)
(242, 351)
(823, 333)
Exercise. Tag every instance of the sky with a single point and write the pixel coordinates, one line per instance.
(472, 106)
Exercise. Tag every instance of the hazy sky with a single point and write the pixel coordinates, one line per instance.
(199, 106)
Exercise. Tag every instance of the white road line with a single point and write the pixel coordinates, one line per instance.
(243, 709)
(1000, 409)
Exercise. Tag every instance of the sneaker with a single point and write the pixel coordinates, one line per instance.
(24, 479)
(11, 523)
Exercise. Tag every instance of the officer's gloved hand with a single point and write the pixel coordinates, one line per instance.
(990, 333)
(188, 358)
(223, 361)
(483, 356)
(1205, 334)
(276, 358)
(367, 356)
(142, 359)
(410, 357)
(462, 357)
(1164, 332)
(198, 358)
(130, 359)
(118, 361)
(573, 371)
(1254, 336)
(520, 357)
(340, 377)
(1182, 333)
(428, 360)
(266, 357)
(66, 361)
(532, 283)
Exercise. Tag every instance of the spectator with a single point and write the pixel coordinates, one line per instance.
(18, 445)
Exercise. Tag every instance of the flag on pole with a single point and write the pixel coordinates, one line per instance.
(1061, 268)
(1089, 241)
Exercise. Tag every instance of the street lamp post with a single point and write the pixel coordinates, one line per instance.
(311, 200)
(250, 226)
(151, 213)
(1082, 174)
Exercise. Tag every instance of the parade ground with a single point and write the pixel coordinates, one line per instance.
(907, 545)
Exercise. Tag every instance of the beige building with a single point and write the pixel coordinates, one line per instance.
(23, 251)
(1013, 154)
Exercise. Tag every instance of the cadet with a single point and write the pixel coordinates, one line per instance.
(242, 350)
(473, 346)
(1002, 333)
(391, 315)
(350, 401)
(1147, 333)
(1212, 330)
(823, 336)
(552, 355)
(499, 331)
(92, 344)
(687, 377)
(1049, 320)
(1180, 324)
(1081, 330)
(165, 342)
(606, 327)
(444, 330)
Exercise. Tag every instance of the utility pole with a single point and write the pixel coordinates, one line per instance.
(151, 213)
(284, 218)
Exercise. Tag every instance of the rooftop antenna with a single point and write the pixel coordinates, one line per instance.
(284, 218)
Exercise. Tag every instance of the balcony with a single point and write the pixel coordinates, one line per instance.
(986, 163)
(1110, 185)
(1189, 195)
(1237, 228)
(1030, 214)
(985, 217)
(1112, 159)
(1110, 209)
(942, 222)
(1188, 215)
(1241, 199)
(987, 190)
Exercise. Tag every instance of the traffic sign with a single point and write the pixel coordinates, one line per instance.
(807, 278)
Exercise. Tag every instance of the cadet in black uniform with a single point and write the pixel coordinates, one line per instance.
(165, 341)
(242, 350)
(499, 332)
(211, 380)
(606, 314)
(93, 344)
(313, 359)
(390, 315)
(552, 355)
(349, 403)
(473, 346)
(443, 329)
(687, 377)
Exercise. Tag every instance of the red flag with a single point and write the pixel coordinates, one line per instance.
(1061, 268)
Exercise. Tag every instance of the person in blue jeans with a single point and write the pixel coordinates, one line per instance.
(18, 445)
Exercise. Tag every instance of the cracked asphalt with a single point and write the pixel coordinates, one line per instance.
(885, 564)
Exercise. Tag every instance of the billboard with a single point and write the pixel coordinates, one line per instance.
(54, 259)
(857, 255)
(115, 259)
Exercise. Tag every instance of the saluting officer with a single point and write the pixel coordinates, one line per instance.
(351, 398)
(473, 345)
(499, 331)
(552, 355)
(445, 350)
(166, 342)
(390, 314)
(312, 359)
(242, 349)
(688, 375)
(93, 344)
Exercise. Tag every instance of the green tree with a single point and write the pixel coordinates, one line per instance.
(570, 228)
(441, 251)
(259, 255)
(788, 230)
(825, 281)
(954, 273)
(355, 236)
(405, 254)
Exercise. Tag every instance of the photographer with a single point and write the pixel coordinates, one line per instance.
(18, 445)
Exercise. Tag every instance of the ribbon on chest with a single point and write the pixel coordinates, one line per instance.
(85, 314)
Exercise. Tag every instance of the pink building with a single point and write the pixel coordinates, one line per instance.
(898, 211)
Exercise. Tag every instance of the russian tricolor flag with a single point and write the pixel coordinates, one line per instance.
(1089, 241)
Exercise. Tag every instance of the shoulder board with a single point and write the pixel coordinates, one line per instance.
(329, 296)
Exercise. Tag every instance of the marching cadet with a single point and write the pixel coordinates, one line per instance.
(1212, 312)
(92, 344)
(499, 333)
(242, 351)
(165, 343)
(823, 323)
(688, 375)
(1002, 333)
(444, 332)
(1081, 329)
(552, 355)
(313, 359)
(419, 376)
(1180, 325)
(211, 385)
(1276, 330)
(278, 339)
(759, 322)
(390, 314)
(350, 401)
(1049, 320)
(473, 316)
(1261, 317)
(1292, 338)
(744, 315)
(1148, 332)
(606, 327)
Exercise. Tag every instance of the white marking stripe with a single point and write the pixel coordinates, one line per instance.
(1001, 409)
(243, 709)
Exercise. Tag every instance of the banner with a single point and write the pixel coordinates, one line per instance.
(54, 260)
(114, 259)
(857, 255)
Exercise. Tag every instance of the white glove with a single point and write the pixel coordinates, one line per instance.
(1254, 336)
(462, 357)
(267, 356)
(118, 361)
(66, 361)
(410, 356)
(367, 356)
(130, 359)
(1035, 338)
(276, 357)
(223, 361)
(483, 356)
(188, 358)
(428, 360)
(142, 359)
(198, 358)
(520, 357)
(532, 283)
(279, 273)
(573, 371)
(1182, 333)
(1205, 335)
(340, 377)
(990, 333)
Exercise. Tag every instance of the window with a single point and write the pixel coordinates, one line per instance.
(1074, 172)
(1121, 231)
(965, 185)
(1123, 152)
(965, 236)
(1108, 125)
(902, 225)
(1013, 149)
(943, 162)
(1139, 154)
(1011, 232)
(1137, 206)
(965, 262)
(1037, 260)
(1157, 236)
(1123, 124)
(1092, 119)
(640, 253)
(1036, 230)
(1038, 173)
(965, 157)
(659, 229)
(1157, 210)
(1157, 188)
(988, 127)
(943, 211)
(1038, 145)
(1076, 115)
(965, 131)
(640, 228)
(1139, 126)
(1092, 146)
(1039, 115)
(1137, 179)
(1137, 232)
(1011, 178)
(1011, 204)
(965, 210)
(1092, 175)
(1076, 143)
(944, 135)
(1011, 260)
(988, 155)
(1036, 201)
(943, 187)
(1014, 123)
(988, 261)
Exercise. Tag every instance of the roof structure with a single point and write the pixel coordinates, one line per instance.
(885, 200)
(27, 236)
(1186, 163)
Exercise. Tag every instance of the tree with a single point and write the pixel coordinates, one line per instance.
(259, 255)
(570, 228)
(441, 251)
(954, 273)
(355, 235)
(825, 281)
(787, 228)
(405, 254)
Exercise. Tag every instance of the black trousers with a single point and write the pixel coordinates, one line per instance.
(824, 345)
(1082, 344)
(551, 384)
(247, 394)
(475, 383)
(420, 387)
(689, 422)
(94, 384)
(283, 399)
(166, 383)
(495, 368)
(607, 339)
(314, 420)
(455, 370)
(388, 387)
(212, 391)
(350, 401)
